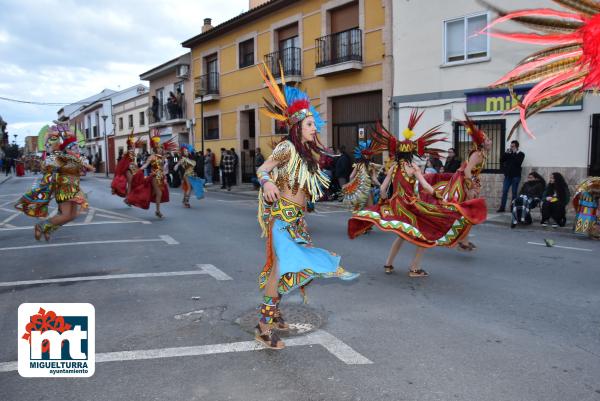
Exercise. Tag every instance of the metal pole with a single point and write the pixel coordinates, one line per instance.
(105, 147)
(202, 122)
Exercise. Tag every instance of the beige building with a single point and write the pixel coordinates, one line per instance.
(31, 144)
(171, 77)
(130, 116)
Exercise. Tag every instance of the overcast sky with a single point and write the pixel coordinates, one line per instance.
(67, 50)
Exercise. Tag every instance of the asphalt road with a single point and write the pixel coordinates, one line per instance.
(512, 321)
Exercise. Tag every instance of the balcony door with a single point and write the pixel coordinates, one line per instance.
(212, 71)
(344, 22)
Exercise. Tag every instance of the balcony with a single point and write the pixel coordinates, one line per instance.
(168, 115)
(339, 52)
(206, 87)
(291, 62)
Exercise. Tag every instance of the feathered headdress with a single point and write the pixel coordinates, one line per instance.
(563, 71)
(477, 135)
(187, 146)
(418, 147)
(290, 105)
(367, 149)
(133, 143)
(155, 143)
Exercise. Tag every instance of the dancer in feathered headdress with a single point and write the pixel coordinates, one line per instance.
(405, 214)
(566, 69)
(190, 180)
(363, 188)
(289, 178)
(64, 165)
(153, 188)
(126, 169)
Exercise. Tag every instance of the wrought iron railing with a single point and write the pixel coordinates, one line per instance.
(207, 84)
(339, 47)
(290, 59)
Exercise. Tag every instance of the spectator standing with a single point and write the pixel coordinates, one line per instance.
(555, 200)
(511, 162)
(429, 169)
(236, 164)
(343, 167)
(199, 168)
(209, 165)
(259, 159)
(180, 101)
(452, 162)
(228, 169)
(436, 163)
(222, 166)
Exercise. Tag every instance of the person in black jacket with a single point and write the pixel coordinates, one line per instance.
(529, 197)
(511, 162)
(343, 168)
(452, 162)
(555, 200)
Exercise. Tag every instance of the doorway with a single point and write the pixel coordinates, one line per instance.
(248, 144)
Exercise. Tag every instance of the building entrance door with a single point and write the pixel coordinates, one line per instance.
(594, 168)
(248, 144)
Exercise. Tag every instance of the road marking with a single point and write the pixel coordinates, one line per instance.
(9, 218)
(77, 224)
(214, 272)
(165, 238)
(335, 346)
(562, 247)
(90, 216)
(209, 270)
(122, 215)
(19, 194)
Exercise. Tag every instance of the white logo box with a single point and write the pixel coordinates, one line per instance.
(79, 365)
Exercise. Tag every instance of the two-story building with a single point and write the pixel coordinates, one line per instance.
(167, 80)
(338, 51)
(131, 116)
(442, 66)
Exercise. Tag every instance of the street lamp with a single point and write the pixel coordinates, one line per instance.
(202, 91)
(104, 117)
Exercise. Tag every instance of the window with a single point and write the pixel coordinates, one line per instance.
(211, 130)
(120, 123)
(462, 43)
(495, 130)
(142, 118)
(344, 18)
(130, 121)
(246, 49)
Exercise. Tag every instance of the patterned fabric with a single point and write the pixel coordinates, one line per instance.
(268, 309)
(290, 243)
(34, 203)
(424, 224)
(228, 163)
(357, 192)
(586, 218)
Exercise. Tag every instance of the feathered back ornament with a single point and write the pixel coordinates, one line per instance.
(477, 135)
(291, 105)
(418, 147)
(367, 149)
(563, 71)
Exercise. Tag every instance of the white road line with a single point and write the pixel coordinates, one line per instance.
(19, 194)
(79, 224)
(562, 247)
(331, 343)
(214, 272)
(90, 216)
(3, 223)
(113, 213)
(169, 240)
(8, 203)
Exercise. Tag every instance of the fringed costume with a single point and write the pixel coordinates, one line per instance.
(191, 182)
(586, 202)
(406, 214)
(566, 69)
(289, 246)
(142, 192)
(363, 188)
(127, 166)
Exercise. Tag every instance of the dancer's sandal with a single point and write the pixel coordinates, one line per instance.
(268, 338)
(279, 322)
(158, 214)
(37, 231)
(465, 247)
(389, 269)
(417, 273)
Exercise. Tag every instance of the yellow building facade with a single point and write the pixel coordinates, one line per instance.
(338, 51)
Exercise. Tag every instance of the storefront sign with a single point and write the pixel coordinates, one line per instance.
(500, 101)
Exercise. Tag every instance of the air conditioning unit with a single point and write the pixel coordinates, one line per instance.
(183, 71)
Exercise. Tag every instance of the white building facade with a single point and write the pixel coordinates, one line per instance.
(131, 116)
(444, 68)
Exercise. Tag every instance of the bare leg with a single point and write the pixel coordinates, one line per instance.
(157, 197)
(389, 263)
(186, 195)
(129, 178)
(415, 269)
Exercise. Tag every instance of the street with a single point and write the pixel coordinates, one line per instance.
(513, 320)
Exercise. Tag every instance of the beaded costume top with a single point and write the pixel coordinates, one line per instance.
(188, 166)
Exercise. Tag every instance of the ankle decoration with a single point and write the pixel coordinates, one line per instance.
(267, 310)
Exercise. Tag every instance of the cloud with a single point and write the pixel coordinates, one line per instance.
(66, 50)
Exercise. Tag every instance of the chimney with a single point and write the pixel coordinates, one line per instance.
(256, 3)
(207, 26)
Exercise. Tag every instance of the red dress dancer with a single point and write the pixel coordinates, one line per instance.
(126, 169)
(566, 69)
(152, 188)
(405, 214)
